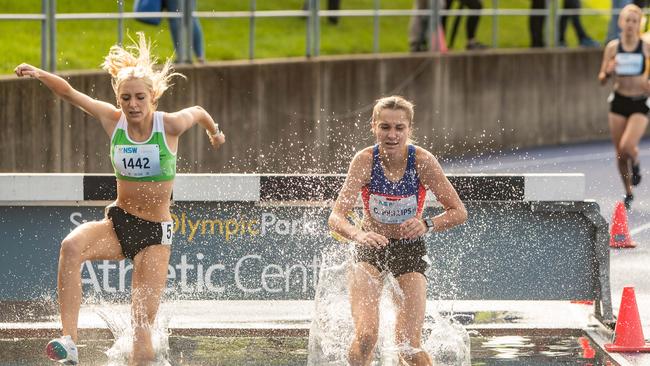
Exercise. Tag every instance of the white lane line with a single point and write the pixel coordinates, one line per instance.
(640, 229)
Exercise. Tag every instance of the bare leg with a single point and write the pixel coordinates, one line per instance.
(626, 134)
(90, 241)
(148, 282)
(410, 317)
(634, 130)
(617, 124)
(365, 289)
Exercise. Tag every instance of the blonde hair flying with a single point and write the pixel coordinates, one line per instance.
(136, 62)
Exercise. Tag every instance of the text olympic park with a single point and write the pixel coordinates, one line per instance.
(234, 227)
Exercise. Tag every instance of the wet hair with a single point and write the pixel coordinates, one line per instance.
(136, 62)
(394, 102)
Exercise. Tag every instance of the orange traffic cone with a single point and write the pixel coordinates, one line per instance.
(619, 233)
(628, 335)
(587, 350)
(440, 42)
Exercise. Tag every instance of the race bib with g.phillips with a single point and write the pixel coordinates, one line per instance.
(392, 209)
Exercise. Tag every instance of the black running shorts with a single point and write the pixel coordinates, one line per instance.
(135, 234)
(627, 106)
(400, 256)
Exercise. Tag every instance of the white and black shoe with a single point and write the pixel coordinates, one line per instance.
(63, 350)
(636, 174)
(628, 201)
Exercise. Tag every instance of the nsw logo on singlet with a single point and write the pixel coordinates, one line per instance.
(629, 63)
(392, 209)
(137, 160)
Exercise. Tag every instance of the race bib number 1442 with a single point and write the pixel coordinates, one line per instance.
(137, 160)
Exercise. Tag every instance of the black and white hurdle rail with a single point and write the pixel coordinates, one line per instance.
(270, 187)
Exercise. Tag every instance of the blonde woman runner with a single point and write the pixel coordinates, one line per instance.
(138, 225)
(625, 60)
(393, 177)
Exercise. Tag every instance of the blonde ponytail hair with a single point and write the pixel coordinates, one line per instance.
(136, 62)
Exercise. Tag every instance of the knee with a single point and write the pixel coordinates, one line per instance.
(71, 249)
(419, 358)
(626, 151)
(622, 152)
(366, 341)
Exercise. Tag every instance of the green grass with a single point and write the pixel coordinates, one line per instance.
(81, 44)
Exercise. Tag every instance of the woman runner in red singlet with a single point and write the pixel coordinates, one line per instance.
(392, 177)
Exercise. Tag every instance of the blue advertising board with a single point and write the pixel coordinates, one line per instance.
(248, 250)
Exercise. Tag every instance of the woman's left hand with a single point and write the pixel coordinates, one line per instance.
(413, 228)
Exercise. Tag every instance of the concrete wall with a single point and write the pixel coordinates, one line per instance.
(310, 116)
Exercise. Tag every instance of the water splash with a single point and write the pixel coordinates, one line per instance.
(119, 323)
(448, 342)
(332, 328)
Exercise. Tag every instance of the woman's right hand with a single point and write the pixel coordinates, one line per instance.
(609, 71)
(26, 70)
(602, 78)
(371, 239)
(217, 139)
(611, 67)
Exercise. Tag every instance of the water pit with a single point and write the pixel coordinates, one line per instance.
(249, 258)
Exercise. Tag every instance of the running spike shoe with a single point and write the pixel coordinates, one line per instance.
(628, 200)
(63, 350)
(636, 174)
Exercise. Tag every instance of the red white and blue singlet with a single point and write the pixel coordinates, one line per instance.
(393, 202)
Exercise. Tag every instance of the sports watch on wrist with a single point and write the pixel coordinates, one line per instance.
(216, 126)
(428, 221)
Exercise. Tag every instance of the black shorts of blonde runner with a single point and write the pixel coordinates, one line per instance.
(355, 219)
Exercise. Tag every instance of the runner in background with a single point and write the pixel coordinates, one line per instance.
(625, 62)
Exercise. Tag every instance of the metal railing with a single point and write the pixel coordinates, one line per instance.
(49, 17)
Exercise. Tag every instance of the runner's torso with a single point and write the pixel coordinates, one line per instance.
(389, 203)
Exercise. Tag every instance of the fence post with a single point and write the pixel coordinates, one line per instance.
(375, 35)
(308, 29)
(316, 23)
(554, 14)
(182, 36)
(51, 17)
(120, 22)
(188, 21)
(44, 45)
(251, 31)
(495, 24)
(434, 17)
